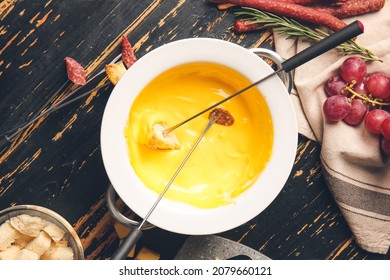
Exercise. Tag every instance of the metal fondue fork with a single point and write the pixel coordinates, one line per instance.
(350, 31)
(136, 233)
(218, 116)
(10, 134)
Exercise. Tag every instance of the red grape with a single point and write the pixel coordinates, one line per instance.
(351, 106)
(386, 128)
(361, 88)
(336, 108)
(378, 85)
(357, 113)
(334, 85)
(353, 69)
(385, 145)
(374, 120)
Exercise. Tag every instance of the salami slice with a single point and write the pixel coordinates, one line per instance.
(128, 55)
(76, 72)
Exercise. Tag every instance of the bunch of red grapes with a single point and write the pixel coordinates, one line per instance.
(355, 97)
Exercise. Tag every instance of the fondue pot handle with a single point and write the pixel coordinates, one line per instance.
(118, 216)
(286, 77)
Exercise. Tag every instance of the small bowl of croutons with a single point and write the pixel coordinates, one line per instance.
(30, 232)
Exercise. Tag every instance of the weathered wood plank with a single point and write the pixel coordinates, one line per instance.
(57, 162)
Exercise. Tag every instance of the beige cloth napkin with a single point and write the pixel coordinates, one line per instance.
(357, 176)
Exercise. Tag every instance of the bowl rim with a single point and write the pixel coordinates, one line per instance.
(49, 215)
(174, 216)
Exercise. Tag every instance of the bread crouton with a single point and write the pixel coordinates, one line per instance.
(39, 244)
(54, 232)
(28, 225)
(12, 253)
(8, 235)
(26, 254)
(58, 253)
(161, 141)
(115, 71)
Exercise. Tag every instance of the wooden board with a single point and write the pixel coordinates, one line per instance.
(57, 162)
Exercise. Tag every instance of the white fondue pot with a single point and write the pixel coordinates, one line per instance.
(180, 217)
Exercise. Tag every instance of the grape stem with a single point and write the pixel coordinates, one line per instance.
(373, 102)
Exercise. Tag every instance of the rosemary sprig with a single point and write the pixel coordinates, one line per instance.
(293, 28)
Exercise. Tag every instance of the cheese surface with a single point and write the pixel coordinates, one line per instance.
(227, 160)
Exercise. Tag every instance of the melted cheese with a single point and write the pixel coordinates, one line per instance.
(228, 159)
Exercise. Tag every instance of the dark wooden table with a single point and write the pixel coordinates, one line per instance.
(56, 162)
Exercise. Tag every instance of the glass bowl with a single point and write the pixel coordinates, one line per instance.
(50, 216)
